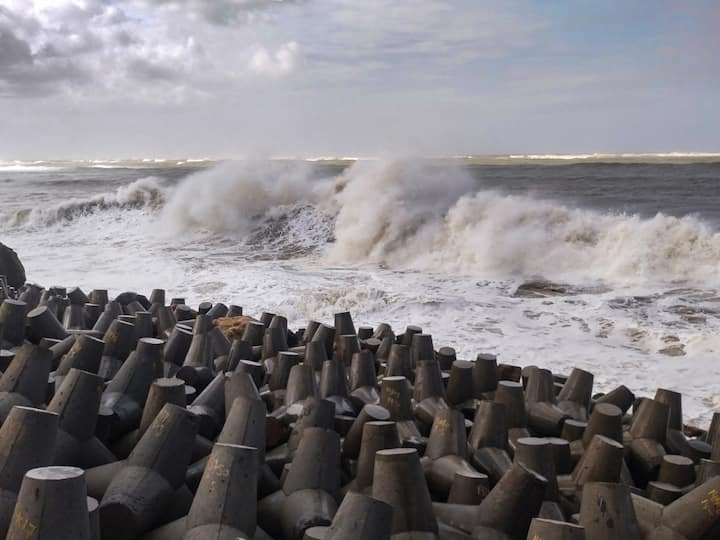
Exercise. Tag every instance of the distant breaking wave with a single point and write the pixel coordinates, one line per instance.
(410, 214)
(56, 165)
(678, 155)
(517, 159)
(143, 193)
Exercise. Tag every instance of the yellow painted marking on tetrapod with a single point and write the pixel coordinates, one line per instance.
(111, 336)
(441, 424)
(218, 469)
(711, 505)
(162, 421)
(391, 392)
(23, 525)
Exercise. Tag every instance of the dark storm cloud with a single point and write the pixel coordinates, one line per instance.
(13, 50)
(29, 74)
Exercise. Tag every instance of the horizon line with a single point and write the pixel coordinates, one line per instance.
(320, 157)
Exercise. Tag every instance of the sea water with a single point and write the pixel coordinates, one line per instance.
(607, 263)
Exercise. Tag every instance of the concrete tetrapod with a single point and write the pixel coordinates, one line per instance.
(508, 508)
(697, 513)
(85, 354)
(52, 505)
(309, 494)
(12, 319)
(27, 441)
(607, 512)
(25, 380)
(445, 452)
(76, 402)
(487, 441)
(127, 392)
(224, 507)
(398, 480)
(143, 488)
(361, 517)
(379, 435)
(244, 426)
(162, 391)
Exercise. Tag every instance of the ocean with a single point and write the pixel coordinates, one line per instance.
(610, 263)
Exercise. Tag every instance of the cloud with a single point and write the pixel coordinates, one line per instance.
(107, 50)
(32, 71)
(280, 63)
(414, 42)
(135, 49)
(13, 50)
(468, 75)
(220, 12)
(64, 46)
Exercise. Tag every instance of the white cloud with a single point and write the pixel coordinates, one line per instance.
(137, 49)
(141, 46)
(282, 62)
(61, 47)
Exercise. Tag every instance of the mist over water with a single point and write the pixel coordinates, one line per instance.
(612, 267)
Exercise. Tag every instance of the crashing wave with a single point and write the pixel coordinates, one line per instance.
(143, 193)
(425, 215)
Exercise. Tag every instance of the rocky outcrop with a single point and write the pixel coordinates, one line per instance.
(11, 267)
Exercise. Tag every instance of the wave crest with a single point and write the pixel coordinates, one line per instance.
(145, 192)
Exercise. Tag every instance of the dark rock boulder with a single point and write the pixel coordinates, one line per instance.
(11, 267)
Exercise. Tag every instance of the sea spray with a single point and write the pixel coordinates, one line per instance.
(498, 235)
(228, 197)
(428, 216)
(388, 211)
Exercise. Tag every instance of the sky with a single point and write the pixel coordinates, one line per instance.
(101, 79)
